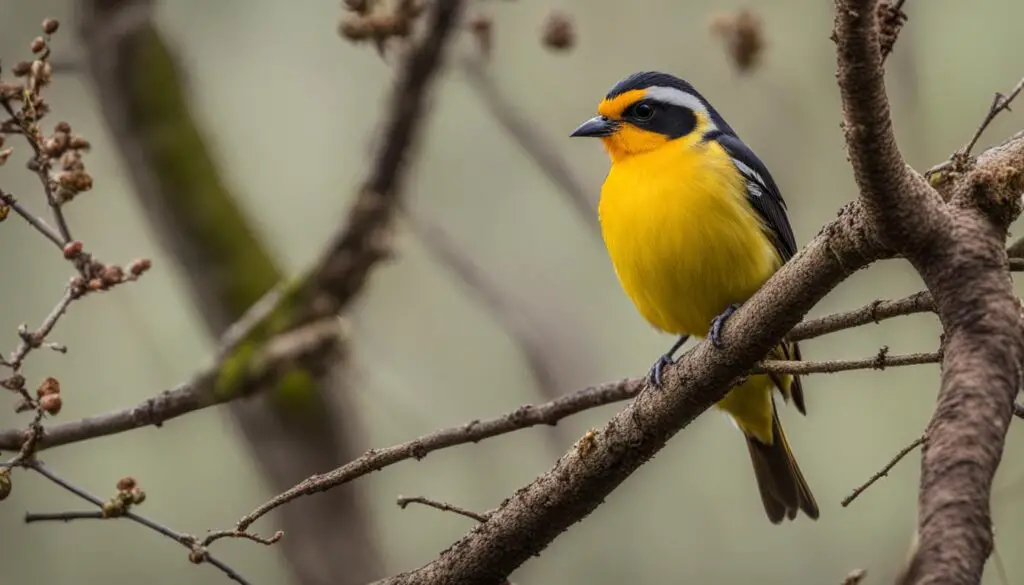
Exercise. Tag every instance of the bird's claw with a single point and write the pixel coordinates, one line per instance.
(654, 375)
(715, 335)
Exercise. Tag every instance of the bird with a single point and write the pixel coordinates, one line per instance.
(694, 224)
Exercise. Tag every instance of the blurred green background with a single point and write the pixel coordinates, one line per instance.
(289, 110)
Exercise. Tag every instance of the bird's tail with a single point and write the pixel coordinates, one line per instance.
(783, 488)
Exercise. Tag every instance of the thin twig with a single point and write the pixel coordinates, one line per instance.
(880, 362)
(536, 146)
(185, 540)
(874, 312)
(42, 170)
(197, 393)
(403, 501)
(31, 517)
(999, 104)
(857, 575)
(885, 470)
(33, 339)
(36, 222)
(472, 432)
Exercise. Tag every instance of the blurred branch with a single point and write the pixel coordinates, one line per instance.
(533, 142)
(442, 506)
(115, 509)
(541, 358)
(269, 363)
(855, 577)
(303, 423)
(884, 472)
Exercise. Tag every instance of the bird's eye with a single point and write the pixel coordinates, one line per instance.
(643, 112)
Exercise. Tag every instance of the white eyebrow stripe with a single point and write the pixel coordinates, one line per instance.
(677, 97)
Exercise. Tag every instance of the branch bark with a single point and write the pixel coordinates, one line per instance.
(535, 515)
(958, 249)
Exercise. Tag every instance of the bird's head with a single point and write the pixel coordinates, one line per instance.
(648, 110)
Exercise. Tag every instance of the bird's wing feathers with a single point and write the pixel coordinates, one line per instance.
(762, 192)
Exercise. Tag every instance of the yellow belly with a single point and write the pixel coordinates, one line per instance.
(685, 245)
(683, 241)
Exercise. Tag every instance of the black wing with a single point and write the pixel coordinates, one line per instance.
(762, 192)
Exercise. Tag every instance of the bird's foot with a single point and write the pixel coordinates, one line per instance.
(715, 335)
(654, 375)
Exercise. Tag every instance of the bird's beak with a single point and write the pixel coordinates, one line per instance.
(596, 126)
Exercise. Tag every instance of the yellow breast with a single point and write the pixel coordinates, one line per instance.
(683, 240)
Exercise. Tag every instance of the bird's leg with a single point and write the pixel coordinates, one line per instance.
(715, 335)
(654, 375)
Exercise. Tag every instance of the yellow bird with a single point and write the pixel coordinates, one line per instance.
(694, 225)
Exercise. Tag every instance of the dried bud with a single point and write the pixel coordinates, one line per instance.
(355, 29)
(79, 143)
(71, 161)
(138, 496)
(52, 147)
(72, 250)
(743, 34)
(482, 27)
(50, 26)
(21, 68)
(95, 284)
(15, 382)
(63, 127)
(139, 266)
(358, 6)
(48, 387)
(5, 154)
(112, 275)
(126, 484)
(39, 69)
(5, 483)
(51, 404)
(197, 555)
(38, 45)
(112, 508)
(558, 32)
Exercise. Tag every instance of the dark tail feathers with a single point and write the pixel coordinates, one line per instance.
(783, 488)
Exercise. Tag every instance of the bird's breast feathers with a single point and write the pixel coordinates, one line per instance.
(683, 239)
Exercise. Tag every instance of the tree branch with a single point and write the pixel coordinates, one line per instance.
(959, 250)
(534, 515)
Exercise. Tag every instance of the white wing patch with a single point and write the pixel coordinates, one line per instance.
(755, 183)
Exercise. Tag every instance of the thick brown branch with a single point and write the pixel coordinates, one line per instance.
(528, 521)
(475, 431)
(898, 200)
